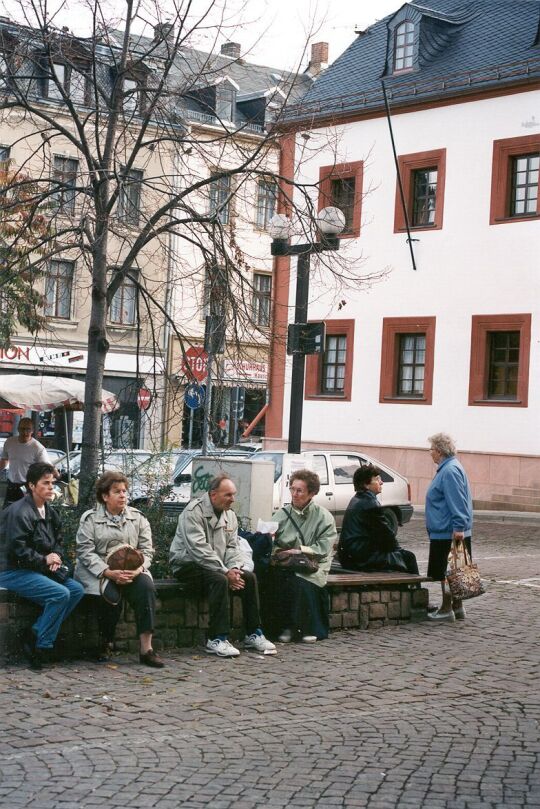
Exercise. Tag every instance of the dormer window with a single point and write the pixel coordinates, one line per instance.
(79, 85)
(404, 47)
(54, 79)
(225, 101)
(131, 95)
(135, 97)
(73, 81)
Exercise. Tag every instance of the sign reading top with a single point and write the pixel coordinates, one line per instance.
(246, 370)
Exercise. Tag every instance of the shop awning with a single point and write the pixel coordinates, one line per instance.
(27, 392)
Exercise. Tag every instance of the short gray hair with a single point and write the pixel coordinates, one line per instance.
(443, 443)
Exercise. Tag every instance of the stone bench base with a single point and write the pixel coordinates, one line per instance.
(358, 601)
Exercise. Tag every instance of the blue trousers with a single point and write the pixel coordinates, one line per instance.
(57, 599)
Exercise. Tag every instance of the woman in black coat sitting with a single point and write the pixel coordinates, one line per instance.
(367, 541)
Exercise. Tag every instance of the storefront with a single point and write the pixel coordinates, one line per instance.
(239, 390)
(124, 377)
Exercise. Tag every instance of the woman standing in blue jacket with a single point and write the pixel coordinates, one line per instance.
(449, 515)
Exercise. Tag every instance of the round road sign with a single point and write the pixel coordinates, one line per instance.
(194, 396)
(144, 398)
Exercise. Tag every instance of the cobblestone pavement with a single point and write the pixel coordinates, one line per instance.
(410, 716)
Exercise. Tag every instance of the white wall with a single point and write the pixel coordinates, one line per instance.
(468, 267)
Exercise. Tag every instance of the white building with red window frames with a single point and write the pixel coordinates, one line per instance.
(453, 345)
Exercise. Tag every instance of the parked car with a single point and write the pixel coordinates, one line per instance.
(125, 460)
(247, 446)
(336, 469)
(56, 455)
(159, 479)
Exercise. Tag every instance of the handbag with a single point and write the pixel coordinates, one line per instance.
(296, 562)
(463, 576)
(123, 557)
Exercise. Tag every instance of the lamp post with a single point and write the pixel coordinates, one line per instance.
(331, 222)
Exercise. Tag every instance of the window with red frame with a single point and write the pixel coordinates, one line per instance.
(329, 375)
(515, 179)
(423, 179)
(407, 360)
(341, 186)
(500, 347)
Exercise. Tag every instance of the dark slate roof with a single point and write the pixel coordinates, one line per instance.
(463, 46)
(197, 69)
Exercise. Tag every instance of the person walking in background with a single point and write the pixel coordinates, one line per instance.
(31, 561)
(367, 541)
(205, 556)
(19, 452)
(449, 515)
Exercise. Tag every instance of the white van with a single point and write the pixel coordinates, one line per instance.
(335, 470)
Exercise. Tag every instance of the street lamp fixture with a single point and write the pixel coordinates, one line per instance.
(330, 223)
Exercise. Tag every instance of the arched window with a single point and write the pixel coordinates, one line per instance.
(404, 46)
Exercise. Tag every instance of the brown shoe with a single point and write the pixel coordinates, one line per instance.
(151, 659)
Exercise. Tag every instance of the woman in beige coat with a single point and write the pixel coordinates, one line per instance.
(110, 525)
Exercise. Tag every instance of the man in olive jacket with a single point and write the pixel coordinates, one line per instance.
(205, 554)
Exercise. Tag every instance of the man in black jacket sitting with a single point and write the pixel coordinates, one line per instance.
(367, 541)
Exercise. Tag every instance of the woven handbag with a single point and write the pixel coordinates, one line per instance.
(463, 576)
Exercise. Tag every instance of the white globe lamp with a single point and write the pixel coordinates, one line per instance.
(280, 227)
(331, 221)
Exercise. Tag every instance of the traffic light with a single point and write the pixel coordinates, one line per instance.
(306, 338)
(214, 334)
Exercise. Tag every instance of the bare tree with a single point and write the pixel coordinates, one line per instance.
(129, 137)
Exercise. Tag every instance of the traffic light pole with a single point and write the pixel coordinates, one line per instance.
(299, 359)
(207, 413)
(303, 252)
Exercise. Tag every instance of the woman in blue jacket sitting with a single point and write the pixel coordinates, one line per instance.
(449, 515)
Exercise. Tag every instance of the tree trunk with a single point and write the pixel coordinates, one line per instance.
(98, 347)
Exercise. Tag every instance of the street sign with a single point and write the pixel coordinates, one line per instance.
(194, 396)
(144, 399)
(196, 361)
(306, 338)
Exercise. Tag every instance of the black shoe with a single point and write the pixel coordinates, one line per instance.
(38, 659)
(103, 653)
(33, 655)
(151, 659)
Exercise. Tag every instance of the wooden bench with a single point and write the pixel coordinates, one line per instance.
(375, 578)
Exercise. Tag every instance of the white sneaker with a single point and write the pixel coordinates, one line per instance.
(442, 616)
(221, 648)
(286, 636)
(460, 613)
(259, 644)
(309, 638)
